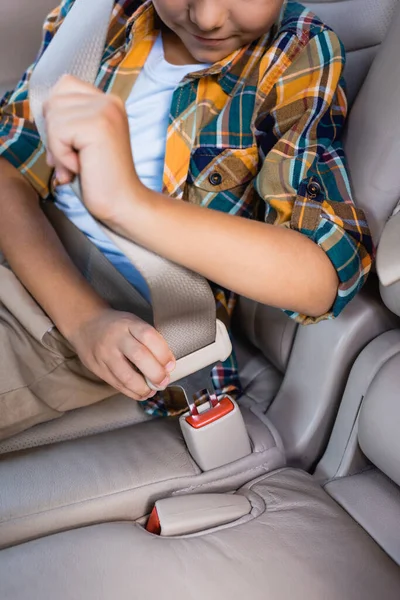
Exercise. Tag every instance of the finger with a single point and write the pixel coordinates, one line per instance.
(73, 122)
(60, 152)
(103, 371)
(50, 159)
(62, 125)
(145, 361)
(64, 176)
(149, 337)
(68, 83)
(64, 100)
(127, 376)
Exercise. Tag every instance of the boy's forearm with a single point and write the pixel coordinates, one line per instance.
(38, 258)
(273, 265)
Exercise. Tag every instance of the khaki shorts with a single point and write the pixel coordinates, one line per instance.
(41, 377)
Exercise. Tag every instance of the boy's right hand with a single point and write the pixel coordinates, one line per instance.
(111, 342)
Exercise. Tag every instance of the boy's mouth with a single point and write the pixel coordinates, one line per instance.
(209, 41)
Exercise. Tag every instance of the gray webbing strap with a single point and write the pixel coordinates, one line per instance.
(183, 305)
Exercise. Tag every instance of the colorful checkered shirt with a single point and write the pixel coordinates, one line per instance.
(255, 135)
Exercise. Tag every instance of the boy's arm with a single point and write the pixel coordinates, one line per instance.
(311, 266)
(320, 254)
(38, 258)
(26, 237)
(104, 339)
(107, 342)
(274, 266)
(314, 252)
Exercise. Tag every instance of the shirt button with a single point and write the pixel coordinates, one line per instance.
(215, 178)
(313, 189)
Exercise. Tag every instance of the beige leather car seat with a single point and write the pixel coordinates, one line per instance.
(333, 536)
(299, 368)
(117, 474)
(20, 27)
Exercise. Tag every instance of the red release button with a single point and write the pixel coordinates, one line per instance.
(224, 407)
(153, 524)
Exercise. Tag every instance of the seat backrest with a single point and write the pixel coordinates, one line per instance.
(369, 487)
(362, 26)
(378, 429)
(373, 136)
(20, 34)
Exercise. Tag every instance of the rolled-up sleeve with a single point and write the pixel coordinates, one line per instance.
(303, 179)
(19, 140)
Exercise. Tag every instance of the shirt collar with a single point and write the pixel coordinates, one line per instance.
(229, 70)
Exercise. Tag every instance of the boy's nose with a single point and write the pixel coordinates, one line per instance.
(208, 15)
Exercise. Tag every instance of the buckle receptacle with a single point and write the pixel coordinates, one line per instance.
(214, 431)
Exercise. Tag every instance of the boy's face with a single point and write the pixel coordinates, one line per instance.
(210, 30)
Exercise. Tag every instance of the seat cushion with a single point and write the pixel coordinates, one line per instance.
(297, 543)
(113, 413)
(116, 475)
(268, 329)
(373, 500)
(259, 378)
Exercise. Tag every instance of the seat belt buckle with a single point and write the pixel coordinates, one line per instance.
(218, 351)
(214, 432)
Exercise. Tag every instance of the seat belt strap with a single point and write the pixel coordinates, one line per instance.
(104, 278)
(183, 307)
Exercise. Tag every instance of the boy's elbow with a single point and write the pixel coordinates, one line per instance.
(323, 291)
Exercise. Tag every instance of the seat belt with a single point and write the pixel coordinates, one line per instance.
(182, 307)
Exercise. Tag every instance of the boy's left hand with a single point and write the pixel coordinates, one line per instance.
(88, 135)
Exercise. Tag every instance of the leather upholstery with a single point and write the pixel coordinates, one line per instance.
(378, 429)
(362, 26)
(116, 475)
(297, 543)
(113, 413)
(268, 329)
(20, 33)
(373, 501)
(373, 136)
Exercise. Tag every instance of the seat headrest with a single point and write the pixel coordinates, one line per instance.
(379, 424)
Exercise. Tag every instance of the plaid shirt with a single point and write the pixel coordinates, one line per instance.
(255, 135)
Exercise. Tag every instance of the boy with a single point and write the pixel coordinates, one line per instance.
(233, 105)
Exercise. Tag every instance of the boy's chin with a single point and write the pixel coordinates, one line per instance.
(209, 56)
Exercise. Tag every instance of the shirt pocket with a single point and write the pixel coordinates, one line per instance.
(220, 178)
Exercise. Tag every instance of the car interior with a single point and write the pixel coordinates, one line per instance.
(312, 509)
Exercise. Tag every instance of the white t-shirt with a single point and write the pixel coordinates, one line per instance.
(148, 107)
